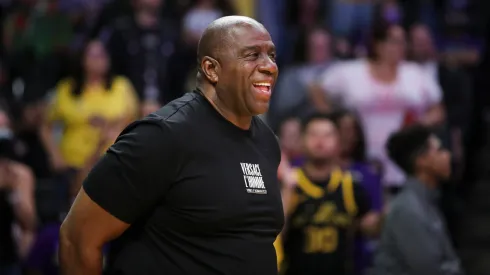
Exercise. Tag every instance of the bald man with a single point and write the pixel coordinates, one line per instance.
(192, 188)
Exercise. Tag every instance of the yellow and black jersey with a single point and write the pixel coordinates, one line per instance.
(320, 217)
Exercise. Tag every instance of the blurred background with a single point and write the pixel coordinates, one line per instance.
(73, 73)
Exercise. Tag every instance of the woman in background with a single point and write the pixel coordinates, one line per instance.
(385, 90)
(89, 104)
(353, 158)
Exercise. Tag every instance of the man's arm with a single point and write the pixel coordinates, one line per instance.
(83, 233)
(124, 185)
(416, 243)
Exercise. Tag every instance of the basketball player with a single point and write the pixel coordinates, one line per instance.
(192, 188)
(324, 207)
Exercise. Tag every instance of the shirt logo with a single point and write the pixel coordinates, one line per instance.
(252, 177)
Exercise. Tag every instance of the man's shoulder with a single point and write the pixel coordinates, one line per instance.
(265, 131)
(178, 109)
(170, 118)
(263, 126)
(405, 204)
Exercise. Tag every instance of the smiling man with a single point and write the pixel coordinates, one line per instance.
(192, 188)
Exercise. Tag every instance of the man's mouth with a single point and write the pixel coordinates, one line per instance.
(263, 87)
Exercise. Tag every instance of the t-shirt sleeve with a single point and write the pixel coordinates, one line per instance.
(362, 200)
(136, 171)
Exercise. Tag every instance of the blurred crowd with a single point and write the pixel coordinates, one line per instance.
(74, 73)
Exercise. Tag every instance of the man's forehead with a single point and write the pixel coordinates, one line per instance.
(250, 36)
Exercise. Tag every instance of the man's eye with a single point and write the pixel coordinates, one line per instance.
(272, 56)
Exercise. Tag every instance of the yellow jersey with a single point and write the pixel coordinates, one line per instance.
(80, 138)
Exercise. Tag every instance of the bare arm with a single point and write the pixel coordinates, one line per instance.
(83, 233)
(370, 224)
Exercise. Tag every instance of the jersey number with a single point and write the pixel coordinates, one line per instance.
(321, 239)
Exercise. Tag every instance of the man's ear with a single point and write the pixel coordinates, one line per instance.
(210, 68)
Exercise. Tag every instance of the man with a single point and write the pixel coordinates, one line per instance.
(291, 95)
(457, 91)
(323, 207)
(142, 46)
(458, 99)
(414, 239)
(192, 188)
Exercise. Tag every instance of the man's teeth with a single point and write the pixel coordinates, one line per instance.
(262, 84)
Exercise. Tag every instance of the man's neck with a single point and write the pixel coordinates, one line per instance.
(242, 122)
(318, 171)
(427, 180)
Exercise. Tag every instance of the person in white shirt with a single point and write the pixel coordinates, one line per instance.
(385, 90)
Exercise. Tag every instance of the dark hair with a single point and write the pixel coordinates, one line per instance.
(79, 71)
(359, 152)
(406, 145)
(380, 31)
(318, 116)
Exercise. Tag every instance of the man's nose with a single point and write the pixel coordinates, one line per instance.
(268, 66)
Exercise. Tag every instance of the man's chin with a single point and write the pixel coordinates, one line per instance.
(259, 109)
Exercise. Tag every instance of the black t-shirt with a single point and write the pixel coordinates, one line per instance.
(201, 194)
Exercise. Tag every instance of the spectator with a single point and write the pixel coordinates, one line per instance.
(141, 46)
(389, 11)
(290, 98)
(290, 141)
(343, 49)
(16, 202)
(323, 205)
(89, 103)
(300, 17)
(183, 62)
(353, 158)
(350, 17)
(385, 91)
(414, 239)
(456, 87)
(198, 17)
